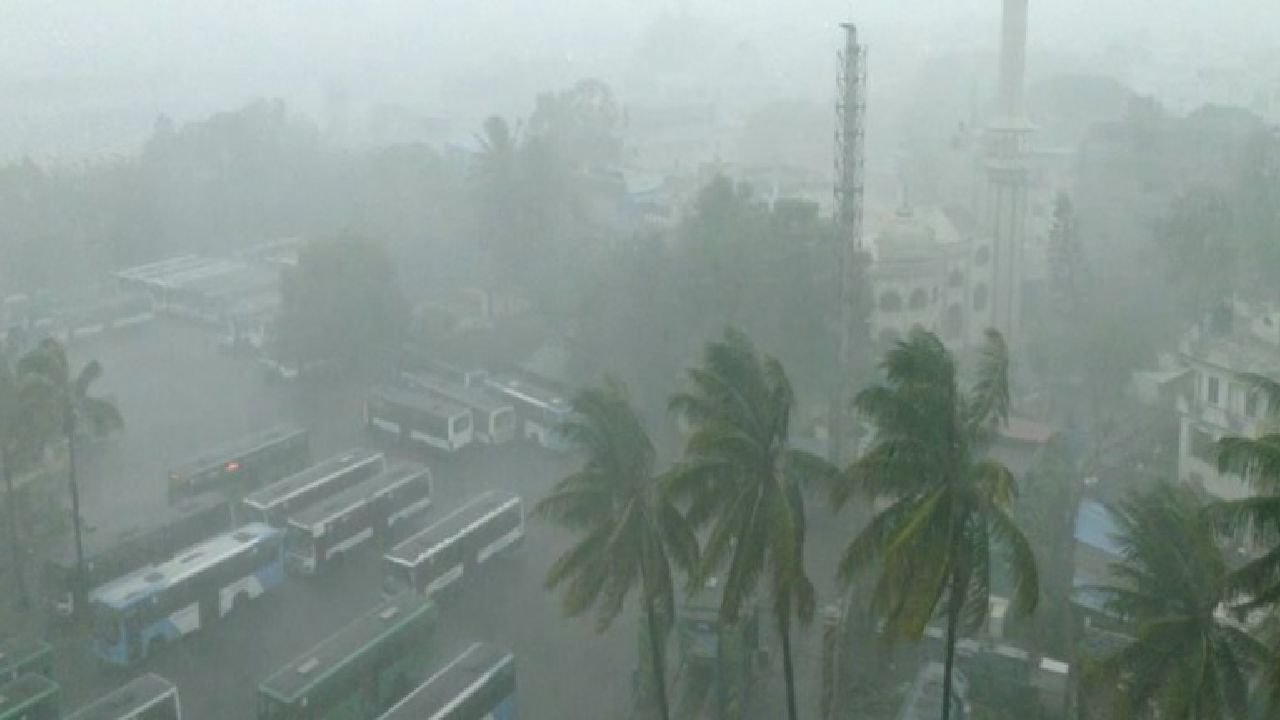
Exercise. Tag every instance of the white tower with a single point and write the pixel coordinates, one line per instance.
(1005, 207)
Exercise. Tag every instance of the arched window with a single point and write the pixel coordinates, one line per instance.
(980, 297)
(956, 278)
(890, 301)
(919, 298)
(983, 256)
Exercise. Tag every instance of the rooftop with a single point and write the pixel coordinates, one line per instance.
(274, 493)
(132, 697)
(237, 448)
(461, 677)
(412, 550)
(362, 492)
(15, 651)
(24, 692)
(296, 679)
(431, 404)
(435, 384)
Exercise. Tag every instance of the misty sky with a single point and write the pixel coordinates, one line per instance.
(116, 65)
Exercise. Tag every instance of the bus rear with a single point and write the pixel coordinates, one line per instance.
(412, 417)
(541, 410)
(243, 465)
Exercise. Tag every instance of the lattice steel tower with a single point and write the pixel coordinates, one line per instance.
(850, 133)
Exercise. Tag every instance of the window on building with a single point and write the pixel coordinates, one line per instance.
(919, 299)
(890, 301)
(980, 297)
(1213, 390)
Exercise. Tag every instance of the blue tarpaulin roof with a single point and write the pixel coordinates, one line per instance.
(1096, 528)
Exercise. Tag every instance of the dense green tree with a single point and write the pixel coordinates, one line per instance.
(341, 302)
(75, 410)
(740, 476)
(1189, 657)
(20, 438)
(947, 505)
(1201, 250)
(628, 533)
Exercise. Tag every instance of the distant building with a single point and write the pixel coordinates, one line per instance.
(1234, 339)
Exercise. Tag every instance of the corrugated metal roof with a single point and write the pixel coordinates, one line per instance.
(1096, 527)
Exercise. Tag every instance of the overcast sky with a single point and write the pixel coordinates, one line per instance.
(123, 60)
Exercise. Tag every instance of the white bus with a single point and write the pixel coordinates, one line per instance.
(542, 410)
(372, 508)
(159, 604)
(414, 417)
(489, 525)
(273, 503)
(149, 697)
(494, 419)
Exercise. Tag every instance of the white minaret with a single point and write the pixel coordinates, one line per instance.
(1005, 206)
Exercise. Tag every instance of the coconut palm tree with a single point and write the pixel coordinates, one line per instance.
(629, 534)
(1191, 656)
(739, 476)
(74, 410)
(946, 507)
(19, 439)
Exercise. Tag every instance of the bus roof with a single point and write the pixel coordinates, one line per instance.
(452, 684)
(135, 695)
(267, 497)
(416, 548)
(530, 392)
(305, 672)
(23, 693)
(18, 651)
(420, 401)
(143, 582)
(236, 449)
(325, 510)
(472, 397)
(102, 542)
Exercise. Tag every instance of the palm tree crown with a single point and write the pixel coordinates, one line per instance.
(1189, 657)
(72, 404)
(946, 505)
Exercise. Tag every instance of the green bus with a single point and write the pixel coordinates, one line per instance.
(30, 697)
(19, 656)
(358, 672)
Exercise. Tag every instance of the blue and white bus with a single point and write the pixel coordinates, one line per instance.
(541, 409)
(494, 418)
(435, 559)
(157, 604)
(149, 697)
(479, 684)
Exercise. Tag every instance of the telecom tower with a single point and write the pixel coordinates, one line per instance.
(1007, 171)
(850, 133)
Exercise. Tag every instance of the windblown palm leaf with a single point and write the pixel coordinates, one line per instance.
(947, 508)
(740, 477)
(1190, 657)
(629, 533)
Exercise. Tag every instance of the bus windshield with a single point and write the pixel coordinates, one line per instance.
(300, 542)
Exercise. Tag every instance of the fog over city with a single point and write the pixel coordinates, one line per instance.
(897, 359)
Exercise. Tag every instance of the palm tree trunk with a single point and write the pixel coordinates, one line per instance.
(15, 538)
(788, 671)
(78, 594)
(655, 661)
(955, 601)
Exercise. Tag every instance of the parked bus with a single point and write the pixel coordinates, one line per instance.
(20, 656)
(30, 697)
(479, 684)
(359, 671)
(160, 603)
(366, 510)
(149, 697)
(273, 503)
(110, 553)
(244, 465)
(494, 419)
(541, 409)
(437, 557)
(414, 417)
